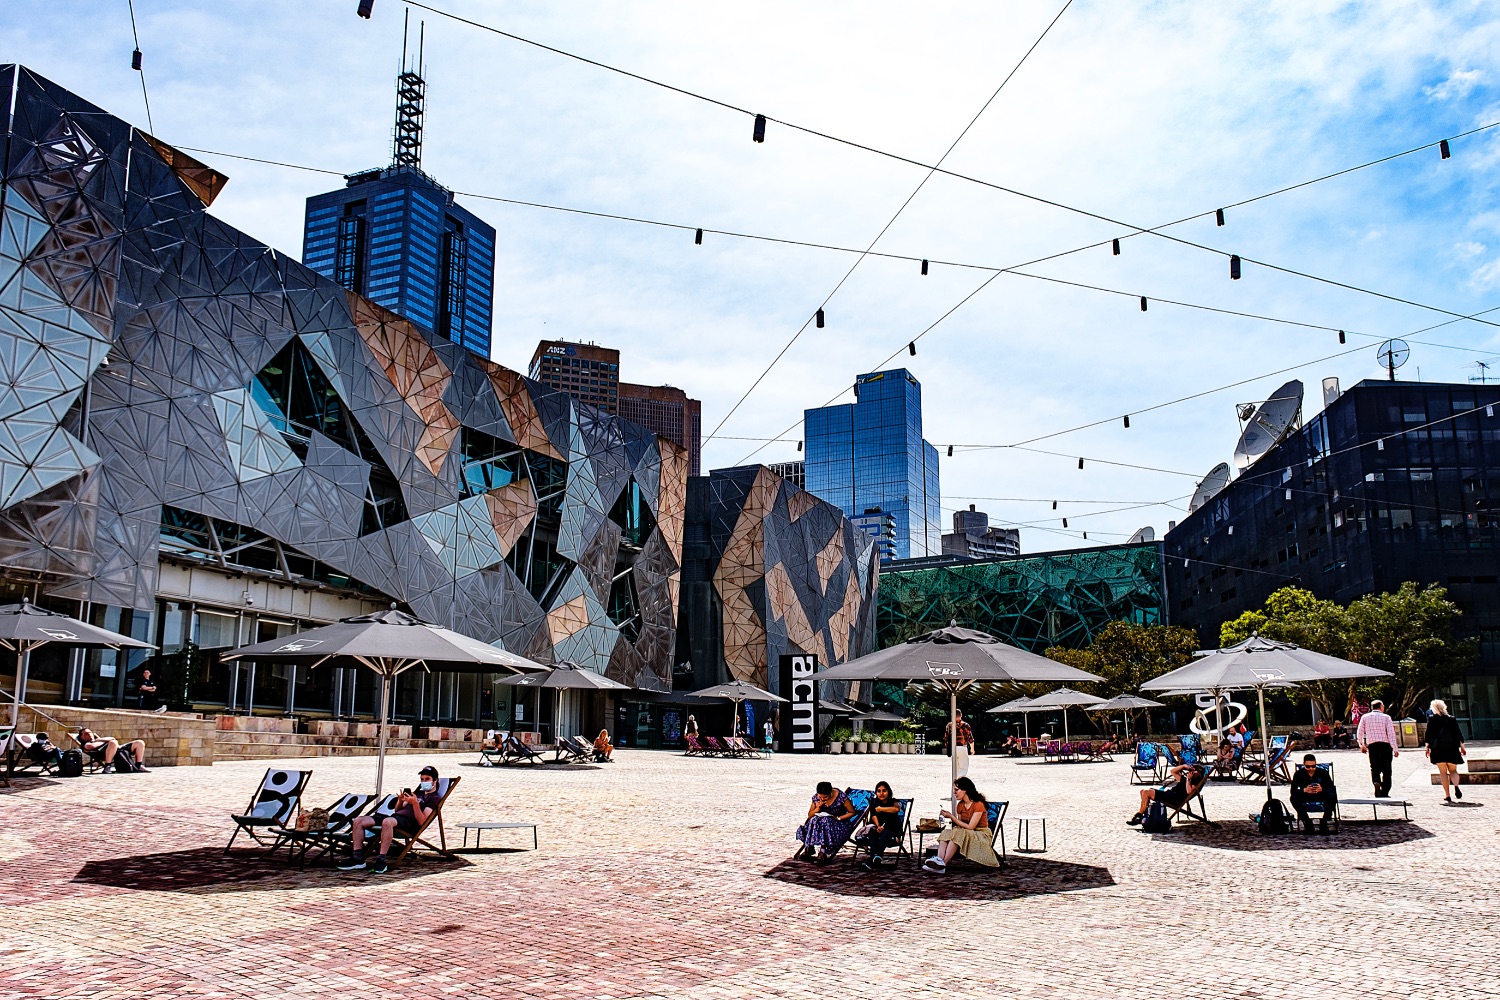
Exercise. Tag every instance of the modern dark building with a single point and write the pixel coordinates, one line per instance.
(869, 457)
(973, 538)
(207, 444)
(396, 236)
(1393, 481)
(793, 472)
(668, 412)
(587, 372)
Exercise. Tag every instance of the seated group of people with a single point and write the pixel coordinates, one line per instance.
(1334, 737)
(124, 758)
(832, 819)
(1312, 786)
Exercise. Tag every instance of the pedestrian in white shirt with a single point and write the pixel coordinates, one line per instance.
(1377, 738)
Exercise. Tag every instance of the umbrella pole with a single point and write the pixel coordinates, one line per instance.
(385, 711)
(23, 657)
(1265, 736)
(1219, 715)
(1065, 725)
(952, 741)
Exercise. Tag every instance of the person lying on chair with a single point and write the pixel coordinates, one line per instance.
(412, 810)
(136, 749)
(1187, 781)
(1313, 785)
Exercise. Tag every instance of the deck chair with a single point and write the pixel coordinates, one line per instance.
(1331, 812)
(1052, 751)
(1147, 761)
(902, 844)
(493, 758)
(717, 747)
(513, 751)
(1274, 757)
(1186, 809)
(340, 815)
(340, 839)
(445, 788)
(741, 746)
(1192, 750)
(695, 748)
(567, 751)
(995, 812)
(586, 748)
(1097, 753)
(273, 805)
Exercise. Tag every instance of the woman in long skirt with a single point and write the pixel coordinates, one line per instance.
(830, 820)
(970, 834)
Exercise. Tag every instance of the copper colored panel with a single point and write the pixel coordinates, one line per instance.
(829, 559)
(799, 503)
(672, 505)
(515, 402)
(416, 371)
(204, 181)
(565, 619)
(512, 507)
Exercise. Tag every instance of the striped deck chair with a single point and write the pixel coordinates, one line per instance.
(273, 805)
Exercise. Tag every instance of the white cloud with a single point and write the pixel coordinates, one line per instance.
(1469, 249)
(1486, 277)
(1457, 86)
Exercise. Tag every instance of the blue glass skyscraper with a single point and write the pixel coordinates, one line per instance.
(396, 236)
(869, 457)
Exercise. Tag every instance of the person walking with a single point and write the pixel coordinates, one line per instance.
(1445, 748)
(964, 746)
(1377, 739)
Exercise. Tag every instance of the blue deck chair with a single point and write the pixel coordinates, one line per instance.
(1147, 761)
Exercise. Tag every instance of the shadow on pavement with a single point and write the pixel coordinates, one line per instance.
(206, 870)
(1019, 878)
(1242, 835)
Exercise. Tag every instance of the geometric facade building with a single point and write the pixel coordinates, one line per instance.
(770, 570)
(195, 424)
(869, 457)
(1391, 482)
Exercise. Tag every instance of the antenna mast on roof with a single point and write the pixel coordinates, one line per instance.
(411, 94)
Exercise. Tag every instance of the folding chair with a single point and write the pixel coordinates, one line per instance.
(340, 815)
(741, 746)
(513, 751)
(1147, 760)
(695, 748)
(1330, 811)
(445, 788)
(569, 752)
(273, 805)
(718, 748)
(1253, 769)
(338, 839)
(587, 748)
(902, 844)
(1186, 809)
(995, 812)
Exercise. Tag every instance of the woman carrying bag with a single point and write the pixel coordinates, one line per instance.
(1445, 748)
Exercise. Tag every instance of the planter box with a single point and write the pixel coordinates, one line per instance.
(835, 747)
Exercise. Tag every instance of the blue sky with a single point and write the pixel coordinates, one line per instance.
(1141, 112)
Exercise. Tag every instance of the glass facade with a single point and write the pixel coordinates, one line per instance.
(1419, 501)
(1034, 601)
(869, 457)
(396, 237)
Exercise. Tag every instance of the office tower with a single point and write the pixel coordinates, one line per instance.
(587, 372)
(395, 235)
(973, 538)
(793, 472)
(666, 411)
(869, 458)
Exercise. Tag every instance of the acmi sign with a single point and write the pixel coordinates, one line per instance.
(797, 684)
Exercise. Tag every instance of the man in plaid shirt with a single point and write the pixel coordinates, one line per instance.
(1377, 738)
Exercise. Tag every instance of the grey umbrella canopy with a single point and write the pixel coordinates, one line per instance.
(1020, 705)
(1126, 703)
(1259, 663)
(954, 659)
(389, 643)
(879, 715)
(736, 691)
(24, 626)
(567, 676)
(1064, 698)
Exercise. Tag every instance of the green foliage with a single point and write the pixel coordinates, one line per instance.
(897, 736)
(839, 733)
(1409, 633)
(1127, 655)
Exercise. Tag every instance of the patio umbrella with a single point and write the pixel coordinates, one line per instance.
(954, 659)
(24, 626)
(1021, 705)
(566, 676)
(389, 643)
(1126, 703)
(1064, 698)
(736, 691)
(1259, 663)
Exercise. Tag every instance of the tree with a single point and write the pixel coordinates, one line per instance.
(1127, 655)
(1409, 633)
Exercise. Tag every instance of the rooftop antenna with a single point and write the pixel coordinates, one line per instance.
(1483, 368)
(411, 94)
(1393, 354)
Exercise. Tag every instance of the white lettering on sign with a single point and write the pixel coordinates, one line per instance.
(945, 669)
(804, 695)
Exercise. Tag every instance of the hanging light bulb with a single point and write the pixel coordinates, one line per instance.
(1234, 267)
(1444, 150)
(365, 7)
(924, 266)
(135, 60)
(1054, 505)
(1341, 336)
(912, 347)
(1085, 536)
(950, 451)
(1115, 246)
(1127, 421)
(799, 446)
(1288, 494)
(759, 135)
(1218, 216)
(820, 319)
(1080, 463)
(1065, 522)
(1380, 444)
(1143, 303)
(698, 237)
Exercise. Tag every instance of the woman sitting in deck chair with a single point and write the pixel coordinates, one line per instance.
(602, 747)
(970, 834)
(1187, 781)
(830, 820)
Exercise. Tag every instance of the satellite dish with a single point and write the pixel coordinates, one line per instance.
(1244, 410)
(1216, 480)
(1148, 533)
(1392, 355)
(1330, 391)
(1273, 419)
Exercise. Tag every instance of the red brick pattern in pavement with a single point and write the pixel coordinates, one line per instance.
(663, 876)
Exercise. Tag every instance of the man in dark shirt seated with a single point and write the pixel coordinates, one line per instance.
(412, 810)
(1313, 785)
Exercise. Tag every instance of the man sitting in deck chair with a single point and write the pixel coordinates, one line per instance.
(1313, 786)
(1187, 781)
(106, 750)
(412, 810)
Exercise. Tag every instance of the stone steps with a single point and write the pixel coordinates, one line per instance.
(1477, 771)
(243, 745)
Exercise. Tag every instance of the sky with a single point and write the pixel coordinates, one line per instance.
(1140, 112)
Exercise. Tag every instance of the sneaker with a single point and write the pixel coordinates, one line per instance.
(379, 867)
(354, 864)
(934, 865)
(142, 769)
(1135, 820)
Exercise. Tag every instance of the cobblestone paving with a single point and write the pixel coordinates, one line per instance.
(664, 876)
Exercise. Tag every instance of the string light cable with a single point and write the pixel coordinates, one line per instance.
(136, 64)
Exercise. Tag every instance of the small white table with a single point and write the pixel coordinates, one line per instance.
(479, 829)
(1376, 803)
(1023, 833)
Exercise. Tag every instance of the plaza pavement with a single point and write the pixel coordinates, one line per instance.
(666, 876)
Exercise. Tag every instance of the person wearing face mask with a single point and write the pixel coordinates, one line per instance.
(413, 808)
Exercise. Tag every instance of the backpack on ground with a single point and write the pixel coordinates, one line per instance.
(124, 763)
(1273, 819)
(70, 765)
(1156, 819)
